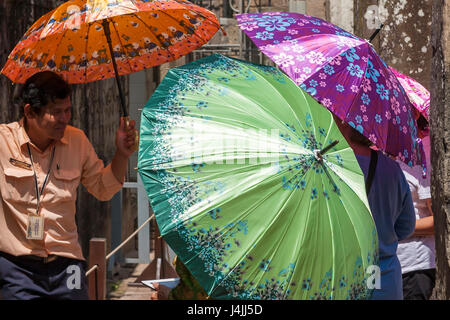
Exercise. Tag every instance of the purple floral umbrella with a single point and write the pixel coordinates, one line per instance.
(342, 72)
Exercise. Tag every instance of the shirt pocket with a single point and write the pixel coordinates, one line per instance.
(64, 184)
(19, 186)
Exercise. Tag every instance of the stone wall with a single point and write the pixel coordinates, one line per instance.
(405, 40)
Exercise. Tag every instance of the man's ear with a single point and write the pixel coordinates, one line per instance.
(28, 112)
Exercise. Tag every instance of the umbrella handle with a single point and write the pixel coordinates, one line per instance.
(107, 31)
(136, 140)
(327, 148)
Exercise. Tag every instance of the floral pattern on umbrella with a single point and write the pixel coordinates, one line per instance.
(342, 72)
(417, 93)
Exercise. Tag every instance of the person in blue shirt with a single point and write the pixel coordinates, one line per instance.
(392, 210)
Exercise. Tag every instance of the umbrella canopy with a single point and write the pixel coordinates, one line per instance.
(344, 73)
(253, 185)
(70, 40)
(417, 93)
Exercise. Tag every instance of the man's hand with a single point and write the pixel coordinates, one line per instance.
(126, 138)
(125, 146)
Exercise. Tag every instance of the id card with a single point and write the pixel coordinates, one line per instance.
(35, 228)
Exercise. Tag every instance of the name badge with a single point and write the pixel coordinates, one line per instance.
(35, 228)
(20, 164)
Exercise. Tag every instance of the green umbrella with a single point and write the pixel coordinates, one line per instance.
(253, 186)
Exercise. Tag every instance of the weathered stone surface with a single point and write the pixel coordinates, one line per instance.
(440, 144)
(404, 41)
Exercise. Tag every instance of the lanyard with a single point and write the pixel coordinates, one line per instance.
(39, 193)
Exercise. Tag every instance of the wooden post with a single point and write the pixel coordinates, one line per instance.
(97, 278)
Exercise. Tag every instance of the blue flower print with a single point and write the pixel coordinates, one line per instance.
(355, 70)
(214, 213)
(315, 30)
(405, 153)
(314, 193)
(350, 55)
(395, 92)
(342, 283)
(308, 120)
(340, 88)
(365, 99)
(382, 92)
(202, 104)
(272, 23)
(339, 160)
(371, 72)
(312, 91)
(264, 265)
(346, 34)
(358, 119)
(287, 38)
(358, 127)
(328, 69)
(302, 184)
(196, 166)
(250, 76)
(265, 35)
(378, 118)
(397, 118)
(313, 83)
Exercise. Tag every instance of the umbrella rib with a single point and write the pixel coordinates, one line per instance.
(121, 44)
(267, 110)
(262, 235)
(331, 227)
(273, 221)
(86, 51)
(150, 29)
(58, 44)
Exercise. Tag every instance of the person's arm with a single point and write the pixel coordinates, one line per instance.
(425, 226)
(125, 146)
(406, 221)
(103, 182)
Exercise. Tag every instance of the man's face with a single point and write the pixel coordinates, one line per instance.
(55, 116)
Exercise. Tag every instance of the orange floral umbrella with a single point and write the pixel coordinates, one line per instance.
(72, 41)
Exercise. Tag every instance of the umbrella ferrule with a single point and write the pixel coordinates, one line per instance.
(318, 155)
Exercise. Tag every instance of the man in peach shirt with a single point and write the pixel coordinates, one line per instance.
(42, 162)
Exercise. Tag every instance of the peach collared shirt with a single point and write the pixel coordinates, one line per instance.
(74, 161)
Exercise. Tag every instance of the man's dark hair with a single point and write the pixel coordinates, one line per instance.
(43, 87)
